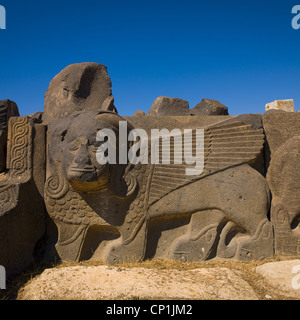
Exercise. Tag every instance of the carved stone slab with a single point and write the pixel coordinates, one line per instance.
(109, 212)
(283, 137)
(22, 216)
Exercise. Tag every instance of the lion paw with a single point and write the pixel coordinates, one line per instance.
(118, 252)
(198, 248)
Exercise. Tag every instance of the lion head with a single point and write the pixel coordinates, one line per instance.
(73, 147)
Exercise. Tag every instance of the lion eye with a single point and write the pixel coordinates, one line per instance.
(95, 146)
(73, 146)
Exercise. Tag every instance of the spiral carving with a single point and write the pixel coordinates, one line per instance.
(19, 151)
(56, 187)
(18, 162)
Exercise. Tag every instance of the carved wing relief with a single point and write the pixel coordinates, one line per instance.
(225, 146)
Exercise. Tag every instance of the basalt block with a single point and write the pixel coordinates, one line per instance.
(8, 109)
(128, 212)
(237, 199)
(208, 107)
(165, 106)
(22, 214)
(78, 87)
(283, 138)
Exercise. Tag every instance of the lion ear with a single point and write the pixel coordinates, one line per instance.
(123, 181)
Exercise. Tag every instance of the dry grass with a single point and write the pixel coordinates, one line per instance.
(244, 269)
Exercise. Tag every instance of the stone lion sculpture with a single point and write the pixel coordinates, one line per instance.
(104, 211)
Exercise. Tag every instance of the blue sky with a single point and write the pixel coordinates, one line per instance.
(241, 53)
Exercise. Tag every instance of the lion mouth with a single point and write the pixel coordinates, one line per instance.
(80, 169)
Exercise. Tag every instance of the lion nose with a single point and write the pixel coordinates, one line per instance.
(82, 156)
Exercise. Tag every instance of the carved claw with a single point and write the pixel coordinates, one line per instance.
(118, 252)
(248, 247)
(227, 250)
(198, 248)
(130, 250)
(69, 249)
(257, 247)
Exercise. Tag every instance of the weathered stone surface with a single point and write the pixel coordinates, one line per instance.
(208, 107)
(275, 111)
(165, 106)
(284, 180)
(22, 215)
(284, 275)
(8, 109)
(111, 283)
(280, 127)
(139, 113)
(285, 105)
(107, 212)
(283, 138)
(81, 86)
(255, 121)
(108, 104)
(36, 117)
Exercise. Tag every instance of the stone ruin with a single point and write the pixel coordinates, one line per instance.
(57, 202)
